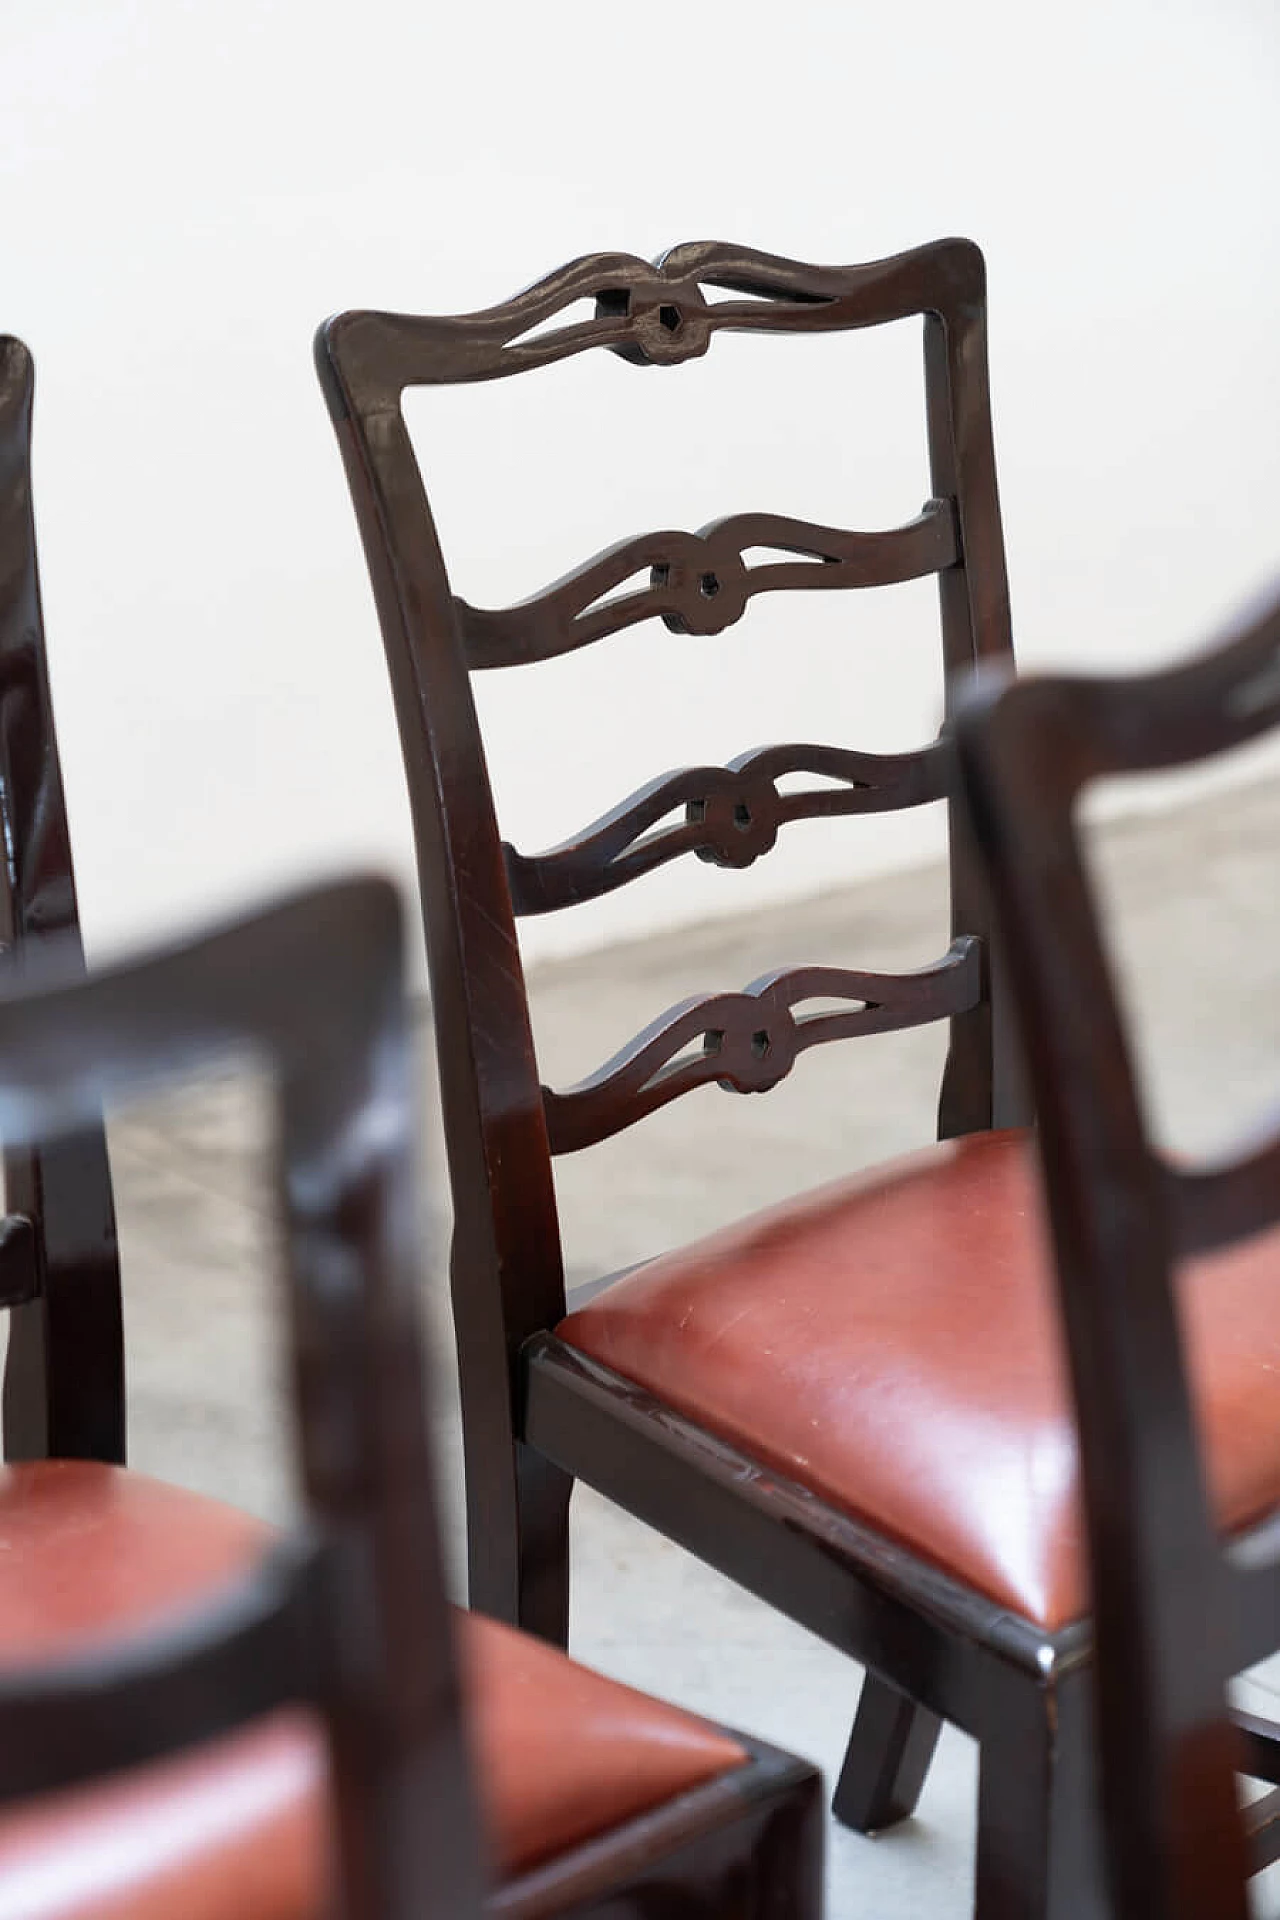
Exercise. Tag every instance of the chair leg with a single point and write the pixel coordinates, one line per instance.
(888, 1756)
(1039, 1855)
(518, 1544)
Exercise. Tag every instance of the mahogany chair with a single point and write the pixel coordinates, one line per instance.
(903, 1523)
(1168, 1283)
(313, 1673)
(59, 1274)
(137, 1618)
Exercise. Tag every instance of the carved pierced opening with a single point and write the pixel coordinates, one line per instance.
(753, 557)
(671, 318)
(746, 1042)
(689, 1057)
(728, 816)
(579, 313)
(804, 780)
(823, 1006)
(634, 583)
(613, 303)
(700, 583)
(733, 298)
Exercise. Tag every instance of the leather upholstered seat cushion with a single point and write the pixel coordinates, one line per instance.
(239, 1827)
(891, 1343)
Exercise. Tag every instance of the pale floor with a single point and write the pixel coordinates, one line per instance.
(1201, 914)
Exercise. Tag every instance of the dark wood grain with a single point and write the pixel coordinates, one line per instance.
(529, 1429)
(350, 1615)
(699, 583)
(1168, 1606)
(746, 1042)
(653, 314)
(64, 1371)
(732, 815)
(347, 1614)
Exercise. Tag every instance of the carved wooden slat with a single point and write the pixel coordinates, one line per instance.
(732, 816)
(699, 583)
(746, 1042)
(1213, 1205)
(654, 313)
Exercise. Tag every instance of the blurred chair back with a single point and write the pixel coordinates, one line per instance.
(59, 1273)
(346, 1615)
(1122, 1217)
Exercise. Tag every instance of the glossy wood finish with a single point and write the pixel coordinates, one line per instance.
(348, 1614)
(699, 582)
(64, 1375)
(732, 815)
(537, 1414)
(1167, 1605)
(749, 1041)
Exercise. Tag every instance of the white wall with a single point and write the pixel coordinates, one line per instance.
(188, 189)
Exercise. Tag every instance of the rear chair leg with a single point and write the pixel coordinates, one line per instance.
(518, 1543)
(887, 1758)
(1039, 1854)
(543, 1566)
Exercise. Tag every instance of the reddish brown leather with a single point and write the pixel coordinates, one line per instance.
(88, 1551)
(237, 1829)
(562, 1753)
(241, 1827)
(891, 1342)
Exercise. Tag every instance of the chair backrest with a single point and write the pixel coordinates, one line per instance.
(1122, 1216)
(348, 1613)
(59, 1273)
(502, 1125)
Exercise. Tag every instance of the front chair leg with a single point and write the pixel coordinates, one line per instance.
(887, 1758)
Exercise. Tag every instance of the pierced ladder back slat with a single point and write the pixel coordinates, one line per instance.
(751, 1040)
(699, 583)
(59, 1270)
(1122, 1217)
(731, 816)
(473, 885)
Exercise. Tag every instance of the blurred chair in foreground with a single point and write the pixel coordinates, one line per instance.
(59, 1275)
(312, 1673)
(1159, 1266)
(136, 1617)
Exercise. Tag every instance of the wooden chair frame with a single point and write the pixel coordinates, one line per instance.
(59, 1270)
(349, 1613)
(316, 987)
(536, 1413)
(1175, 1613)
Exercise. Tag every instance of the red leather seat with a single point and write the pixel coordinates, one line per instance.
(890, 1342)
(238, 1828)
